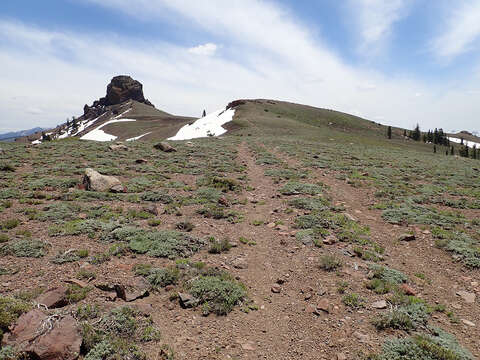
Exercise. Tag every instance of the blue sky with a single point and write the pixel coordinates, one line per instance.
(397, 62)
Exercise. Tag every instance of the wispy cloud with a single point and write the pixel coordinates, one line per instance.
(461, 30)
(375, 20)
(207, 49)
(265, 54)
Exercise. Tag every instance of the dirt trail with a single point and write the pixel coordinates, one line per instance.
(283, 327)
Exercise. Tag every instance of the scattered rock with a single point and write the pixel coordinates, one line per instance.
(151, 209)
(54, 298)
(349, 217)
(44, 337)
(468, 323)
(223, 201)
(406, 237)
(165, 147)
(330, 240)
(341, 356)
(240, 263)
(276, 288)
(382, 304)
(118, 147)
(408, 290)
(282, 227)
(362, 338)
(469, 298)
(187, 300)
(80, 283)
(323, 305)
(426, 232)
(271, 225)
(94, 181)
(138, 290)
(248, 346)
(141, 161)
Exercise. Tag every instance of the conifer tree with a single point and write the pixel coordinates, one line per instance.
(389, 132)
(424, 137)
(434, 149)
(416, 134)
(204, 113)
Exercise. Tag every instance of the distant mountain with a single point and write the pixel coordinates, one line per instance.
(16, 134)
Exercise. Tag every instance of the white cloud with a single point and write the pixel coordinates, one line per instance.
(461, 31)
(375, 20)
(273, 57)
(208, 49)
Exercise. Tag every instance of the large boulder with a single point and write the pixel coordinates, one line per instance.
(45, 337)
(95, 181)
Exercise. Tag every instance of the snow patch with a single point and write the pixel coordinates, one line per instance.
(138, 137)
(100, 135)
(210, 125)
(465, 142)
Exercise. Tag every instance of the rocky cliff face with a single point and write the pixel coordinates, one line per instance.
(121, 88)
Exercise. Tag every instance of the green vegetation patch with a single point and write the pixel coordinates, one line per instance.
(317, 204)
(439, 345)
(297, 188)
(24, 248)
(166, 243)
(218, 293)
(460, 244)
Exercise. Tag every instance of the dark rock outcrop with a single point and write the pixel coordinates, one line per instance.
(121, 88)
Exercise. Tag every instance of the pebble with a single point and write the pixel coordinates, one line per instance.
(276, 289)
(469, 298)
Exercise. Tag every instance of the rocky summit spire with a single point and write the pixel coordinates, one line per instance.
(121, 88)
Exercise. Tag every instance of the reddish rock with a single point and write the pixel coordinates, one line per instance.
(45, 338)
(408, 290)
(323, 305)
(53, 298)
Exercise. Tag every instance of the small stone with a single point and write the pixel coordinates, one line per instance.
(187, 300)
(248, 346)
(308, 296)
(271, 225)
(141, 161)
(330, 240)
(382, 304)
(276, 288)
(469, 298)
(169, 287)
(323, 305)
(341, 356)
(54, 298)
(426, 232)
(151, 209)
(118, 147)
(362, 338)
(406, 237)
(165, 147)
(282, 227)
(468, 323)
(240, 263)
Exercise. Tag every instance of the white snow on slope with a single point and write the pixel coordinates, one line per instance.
(465, 142)
(99, 135)
(138, 137)
(210, 125)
